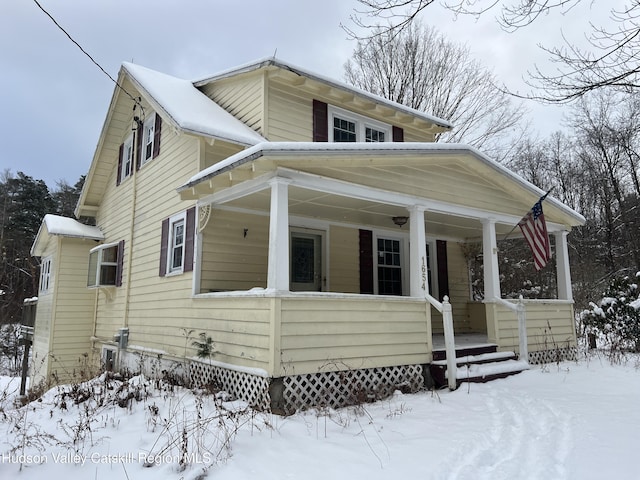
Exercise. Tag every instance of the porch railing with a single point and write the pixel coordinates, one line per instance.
(521, 314)
(444, 308)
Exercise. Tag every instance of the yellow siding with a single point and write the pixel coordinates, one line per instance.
(40, 362)
(242, 97)
(344, 260)
(458, 287)
(217, 152)
(231, 260)
(238, 326)
(458, 291)
(73, 323)
(151, 191)
(64, 316)
(320, 334)
(550, 325)
(289, 115)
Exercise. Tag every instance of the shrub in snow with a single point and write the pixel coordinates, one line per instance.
(616, 317)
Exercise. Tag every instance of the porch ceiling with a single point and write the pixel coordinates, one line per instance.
(337, 208)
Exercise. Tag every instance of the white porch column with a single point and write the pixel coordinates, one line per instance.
(278, 265)
(490, 260)
(562, 266)
(418, 281)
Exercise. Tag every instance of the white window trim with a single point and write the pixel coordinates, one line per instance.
(433, 267)
(361, 122)
(182, 216)
(99, 265)
(149, 123)
(404, 258)
(45, 275)
(127, 147)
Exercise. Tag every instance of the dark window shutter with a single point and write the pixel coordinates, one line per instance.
(320, 121)
(164, 246)
(120, 263)
(366, 261)
(398, 134)
(156, 136)
(119, 172)
(190, 235)
(443, 270)
(137, 141)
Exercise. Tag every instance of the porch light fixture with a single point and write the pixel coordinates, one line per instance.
(400, 221)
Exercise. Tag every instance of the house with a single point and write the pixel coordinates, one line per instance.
(304, 226)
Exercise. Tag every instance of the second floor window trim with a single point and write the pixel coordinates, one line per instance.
(148, 138)
(346, 126)
(127, 157)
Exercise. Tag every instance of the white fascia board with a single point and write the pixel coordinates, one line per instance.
(240, 190)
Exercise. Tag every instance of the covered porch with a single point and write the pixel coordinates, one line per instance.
(349, 242)
(349, 246)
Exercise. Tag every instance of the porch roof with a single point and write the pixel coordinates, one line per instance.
(444, 178)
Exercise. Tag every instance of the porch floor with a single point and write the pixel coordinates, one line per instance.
(462, 340)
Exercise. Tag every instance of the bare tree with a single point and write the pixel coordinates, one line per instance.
(423, 70)
(610, 60)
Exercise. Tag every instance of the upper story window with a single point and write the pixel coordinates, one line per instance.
(126, 164)
(45, 275)
(347, 126)
(105, 265)
(139, 147)
(148, 138)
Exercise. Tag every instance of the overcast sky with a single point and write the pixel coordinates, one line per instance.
(53, 100)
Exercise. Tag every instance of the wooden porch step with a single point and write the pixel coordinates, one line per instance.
(480, 349)
(480, 373)
(477, 364)
(480, 359)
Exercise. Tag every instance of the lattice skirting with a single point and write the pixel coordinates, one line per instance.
(253, 389)
(338, 389)
(553, 355)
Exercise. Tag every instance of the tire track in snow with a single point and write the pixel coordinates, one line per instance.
(528, 438)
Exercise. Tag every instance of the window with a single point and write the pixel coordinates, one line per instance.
(126, 165)
(373, 136)
(45, 275)
(389, 267)
(343, 130)
(350, 127)
(105, 265)
(148, 137)
(177, 243)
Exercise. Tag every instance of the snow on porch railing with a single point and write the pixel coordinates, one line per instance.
(444, 308)
(521, 313)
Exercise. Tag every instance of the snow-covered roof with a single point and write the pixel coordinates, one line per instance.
(188, 108)
(65, 227)
(298, 149)
(271, 61)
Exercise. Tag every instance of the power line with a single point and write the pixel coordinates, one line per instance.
(87, 54)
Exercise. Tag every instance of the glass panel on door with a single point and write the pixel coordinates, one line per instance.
(306, 262)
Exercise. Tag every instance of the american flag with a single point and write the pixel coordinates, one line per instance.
(534, 230)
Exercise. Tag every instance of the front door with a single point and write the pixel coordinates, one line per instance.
(306, 261)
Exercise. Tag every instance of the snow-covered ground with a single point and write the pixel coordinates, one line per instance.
(567, 421)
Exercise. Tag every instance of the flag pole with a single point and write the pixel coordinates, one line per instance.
(539, 201)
